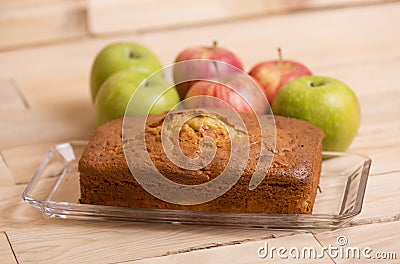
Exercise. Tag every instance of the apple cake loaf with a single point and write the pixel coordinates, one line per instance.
(289, 186)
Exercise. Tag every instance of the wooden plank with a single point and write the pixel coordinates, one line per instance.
(10, 97)
(320, 54)
(13, 209)
(6, 254)
(24, 160)
(6, 177)
(105, 17)
(381, 201)
(381, 204)
(385, 161)
(60, 84)
(61, 80)
(245, 253)
(68, 241)
(68, 112)
(309, 42)
(76, 58)
(87, 240)
(29, 22)
(379, 128)
(375, 89)
(57, 89)
(28, 127)
(383, 237)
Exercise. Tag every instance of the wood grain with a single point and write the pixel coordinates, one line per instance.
(105, 17)
(6, 177)
(13, 209)
(358, 45)
(57, 76)
(53, 85)
(316, 45)
(245, 253)
(105, 242)
(24, 160)
(30, 22)
(10, 96)
(381, 204)
(377, 136)
(6, 254)
(25, 127)
(380, 237)
(381, 201)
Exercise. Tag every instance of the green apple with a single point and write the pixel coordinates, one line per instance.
(115, 94)
(324, 102)
(120, 56)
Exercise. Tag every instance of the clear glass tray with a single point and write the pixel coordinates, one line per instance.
(54, 189)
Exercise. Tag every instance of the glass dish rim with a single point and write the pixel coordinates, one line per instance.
(47, 206)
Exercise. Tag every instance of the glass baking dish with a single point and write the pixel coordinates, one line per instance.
(54, 189)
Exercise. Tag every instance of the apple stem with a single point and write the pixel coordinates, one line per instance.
(280, 55)
(214, 46)
(216, 69)
(133, 55)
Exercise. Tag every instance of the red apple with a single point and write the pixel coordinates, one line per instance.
(202, 70)
(272, 75)
(239, 91)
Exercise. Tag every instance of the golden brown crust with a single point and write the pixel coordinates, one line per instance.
(289, 186)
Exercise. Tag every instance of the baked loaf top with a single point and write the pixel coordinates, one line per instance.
(297, 144)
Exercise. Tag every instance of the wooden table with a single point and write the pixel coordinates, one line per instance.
(46, 52)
